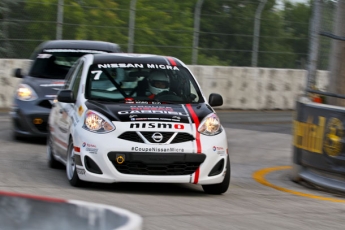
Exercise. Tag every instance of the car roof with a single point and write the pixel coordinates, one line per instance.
(136, 58)
(78, 44)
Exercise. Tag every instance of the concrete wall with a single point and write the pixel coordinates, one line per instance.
(241, 87)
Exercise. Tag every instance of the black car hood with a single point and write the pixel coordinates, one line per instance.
(45, 88)
(151, 112)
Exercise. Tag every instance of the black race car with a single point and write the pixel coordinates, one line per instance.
(35, 94)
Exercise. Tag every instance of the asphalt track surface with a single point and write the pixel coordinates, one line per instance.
(260, 195)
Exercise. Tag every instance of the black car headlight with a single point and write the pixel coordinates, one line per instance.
(97, 123)
(26, 93)
(210, 125)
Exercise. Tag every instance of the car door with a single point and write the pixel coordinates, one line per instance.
(66, 111)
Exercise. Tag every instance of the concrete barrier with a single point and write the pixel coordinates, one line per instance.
(22, 211)
(241, 87)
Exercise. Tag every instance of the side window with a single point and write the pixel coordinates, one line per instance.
(77, 78)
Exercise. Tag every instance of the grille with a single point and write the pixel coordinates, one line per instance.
(182, 137)
(179, 138)
(168, 169)
(131, 136)
(157, 163)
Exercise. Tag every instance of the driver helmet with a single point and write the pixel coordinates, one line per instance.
(158, 82)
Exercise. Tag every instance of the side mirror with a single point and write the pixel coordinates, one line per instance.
(66, 95)
(215, 99)
(18, 73)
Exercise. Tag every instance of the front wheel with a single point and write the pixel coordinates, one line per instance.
(221, 187)
(71, 169)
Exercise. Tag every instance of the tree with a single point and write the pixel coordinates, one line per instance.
(5, 9)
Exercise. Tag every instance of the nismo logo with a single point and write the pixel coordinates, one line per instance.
(156, 125)
(309, 136)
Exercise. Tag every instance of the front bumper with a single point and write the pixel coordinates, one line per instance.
(30, 119)
(105, 158)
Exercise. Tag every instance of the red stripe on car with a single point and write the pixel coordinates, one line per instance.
(197, 138)
(172, 61)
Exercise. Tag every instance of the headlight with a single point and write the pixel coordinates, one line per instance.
(26, 93)
(97, 123)
(210, 125)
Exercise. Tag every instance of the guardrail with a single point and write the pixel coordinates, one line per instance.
(23, 211)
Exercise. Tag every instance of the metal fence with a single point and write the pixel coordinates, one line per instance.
(22, 30)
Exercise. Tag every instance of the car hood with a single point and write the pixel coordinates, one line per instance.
(45, 88)
(151, 112)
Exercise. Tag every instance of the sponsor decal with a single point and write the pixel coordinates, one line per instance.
(129, 100)
(89, 145)
(334, 133)
(80, 110)
(157, 149)
(81, 171)
(219, 150)
(156, 125)
(147, 102)
(44, 56)
(136, 65)
(152, 110)
(92, 150)
(139, 119)
(74, 51)
(309, 136)
(53, 84)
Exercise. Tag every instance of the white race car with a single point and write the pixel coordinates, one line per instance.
(137, 118)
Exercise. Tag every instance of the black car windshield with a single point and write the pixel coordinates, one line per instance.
(141, 83)
(55, 63)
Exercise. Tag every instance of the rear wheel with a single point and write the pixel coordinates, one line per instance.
(71, 169)
(52, 162)
(221, 187)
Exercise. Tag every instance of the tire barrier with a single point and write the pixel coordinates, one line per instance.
(21, 211)
(319, 144)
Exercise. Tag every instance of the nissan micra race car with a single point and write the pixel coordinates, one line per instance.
(137, 118)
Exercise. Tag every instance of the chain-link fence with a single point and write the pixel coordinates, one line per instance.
(226, 34)
(327, 23)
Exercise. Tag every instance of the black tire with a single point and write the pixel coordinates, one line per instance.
(71, 170)
(217, 189)
(52, 162)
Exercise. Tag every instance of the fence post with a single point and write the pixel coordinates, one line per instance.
(131, 26)
(314, 34)
(59, 20)
(196, 31)
(257, 32)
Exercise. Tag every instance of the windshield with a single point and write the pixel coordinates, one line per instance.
(55, 63)
(141, 83)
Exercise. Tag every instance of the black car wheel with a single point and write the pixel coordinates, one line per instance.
(220, 188)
